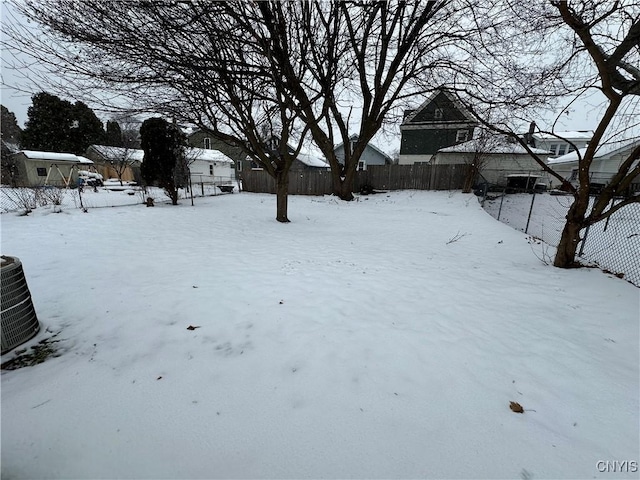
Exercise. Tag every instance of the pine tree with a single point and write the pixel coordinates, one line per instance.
(114, 136)
(11, 131)
(164, 161)
(56, 125)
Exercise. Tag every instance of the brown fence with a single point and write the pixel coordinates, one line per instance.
(387, 177)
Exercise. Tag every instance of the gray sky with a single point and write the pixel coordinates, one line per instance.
(16, 94)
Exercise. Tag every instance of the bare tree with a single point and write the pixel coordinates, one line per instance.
(192, 61)
(359, 62)
(483, 144)
(579, 47)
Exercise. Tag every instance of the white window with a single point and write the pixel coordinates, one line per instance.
(438, 114)
(562, 149)
(210, 169)
(362, 165)
(553, 148)
(461, 136)
(207, 143)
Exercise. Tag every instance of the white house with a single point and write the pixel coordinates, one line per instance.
(210, 167)
(562, 142)
(606, 161)
(500, 161)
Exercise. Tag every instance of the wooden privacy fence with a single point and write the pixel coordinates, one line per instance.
(382, 177)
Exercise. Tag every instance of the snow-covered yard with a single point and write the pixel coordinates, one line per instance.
(383, 338)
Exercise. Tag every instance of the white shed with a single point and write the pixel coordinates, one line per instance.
(210, 167)
(500, 159)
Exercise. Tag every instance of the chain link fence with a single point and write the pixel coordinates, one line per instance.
(613, 244)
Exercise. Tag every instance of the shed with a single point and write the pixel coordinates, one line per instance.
(210, 167)
(49, 168)
(499, 158)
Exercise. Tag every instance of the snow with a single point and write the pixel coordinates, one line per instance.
(569, 135)
(381, 338)
(603, 151)
(53, 156)
(312, 160)
(499, 147)
(208, 155)
(119, 153)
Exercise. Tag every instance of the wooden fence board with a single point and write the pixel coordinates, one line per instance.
(380, 177)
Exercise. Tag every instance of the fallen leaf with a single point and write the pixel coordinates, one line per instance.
(159, 377)
(516, 407)
(191, 327)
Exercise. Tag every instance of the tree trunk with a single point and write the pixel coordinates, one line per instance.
(568, 246)
(470, 178)
(343, 186)
(282, 196)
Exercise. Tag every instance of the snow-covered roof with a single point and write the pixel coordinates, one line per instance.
(119, 153)
(312, 160)
(54, 156)
(84, 160)
(603, 151)
(496, 147)
(569, 135)
(370, 145)
(207, 155)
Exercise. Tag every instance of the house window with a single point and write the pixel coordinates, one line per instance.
(574, 174)
(42, 172)
(461, 136)
(239, 165)
(210, 169)
(571, 149)
(362, 165)
(562, 149)
(553, 148)
(207, 143)
(438, 114)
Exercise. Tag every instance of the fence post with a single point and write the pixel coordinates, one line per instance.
(533, 199)
(504, 192)
(584, 240)
(606, 223)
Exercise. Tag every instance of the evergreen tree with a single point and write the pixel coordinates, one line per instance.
(56, 125)
(11, 131)
(114, 135)
(164, 161)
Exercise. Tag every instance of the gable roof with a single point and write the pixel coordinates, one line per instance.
(569, 135)
(311, 160)
(54, 156)
(370, 145)
(110, 153)
(207, 155)
(410, 118)
(604, 151)
(499, 146)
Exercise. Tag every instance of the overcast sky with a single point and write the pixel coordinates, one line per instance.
(16, 94)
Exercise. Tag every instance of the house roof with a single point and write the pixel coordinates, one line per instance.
(409, 117)
(604, 151)
(120, 153)
(499, 146)
(569, 135)
(370, 145)
(312, 160)
(55, 157)
(207, 155)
